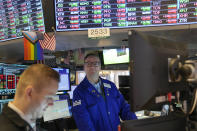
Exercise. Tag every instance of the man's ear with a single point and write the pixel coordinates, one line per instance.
(28, 92)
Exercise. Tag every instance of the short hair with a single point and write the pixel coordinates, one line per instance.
(37, 75)
(93, 54)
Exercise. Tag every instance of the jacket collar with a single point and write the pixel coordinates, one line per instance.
(87, 85)
(14, 117)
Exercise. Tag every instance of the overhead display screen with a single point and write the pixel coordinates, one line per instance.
(20, 15)
(84, 14)
(116, 56)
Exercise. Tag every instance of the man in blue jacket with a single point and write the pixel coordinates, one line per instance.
(97, 104)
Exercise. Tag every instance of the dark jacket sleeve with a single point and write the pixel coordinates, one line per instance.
(80, 113)
(125, 111)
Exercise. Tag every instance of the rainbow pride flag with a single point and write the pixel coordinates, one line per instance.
(32, 51)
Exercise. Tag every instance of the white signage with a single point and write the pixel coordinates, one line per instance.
(99, 33)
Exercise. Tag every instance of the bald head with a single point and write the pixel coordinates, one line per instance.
(37, 76)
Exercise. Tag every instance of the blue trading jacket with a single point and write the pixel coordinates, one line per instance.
(94, 113)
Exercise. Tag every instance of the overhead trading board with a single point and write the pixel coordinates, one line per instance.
(84, 14)
(20, 15)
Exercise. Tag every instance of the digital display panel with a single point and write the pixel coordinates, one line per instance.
(64, 84)
(84, 14)
(20, 15)
(116, 56)
(9, 75)
(59, 109)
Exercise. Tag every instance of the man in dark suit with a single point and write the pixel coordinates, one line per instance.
(34, 93)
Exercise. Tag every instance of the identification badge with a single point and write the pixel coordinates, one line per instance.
(76, 103)
(106, 85)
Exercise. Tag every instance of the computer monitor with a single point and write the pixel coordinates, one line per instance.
(116, 56)
(124, 85)
(71, 92)
(149, 69)
(64, 84)
(18, 16)
(59, 109)
(9, 76)
(124, 81)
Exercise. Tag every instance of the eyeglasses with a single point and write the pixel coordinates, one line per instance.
(92, 63)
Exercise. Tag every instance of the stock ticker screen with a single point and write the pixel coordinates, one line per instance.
(84, 14)
(20, 15)
(9, 75)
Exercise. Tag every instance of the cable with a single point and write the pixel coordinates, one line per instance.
(193, 105)
(195, 101)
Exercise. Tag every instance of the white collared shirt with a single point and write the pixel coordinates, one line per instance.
(97, 86)
(22, 115)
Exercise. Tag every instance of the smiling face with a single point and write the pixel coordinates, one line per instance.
(92, 66)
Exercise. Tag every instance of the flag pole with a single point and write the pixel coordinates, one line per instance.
(53, 28)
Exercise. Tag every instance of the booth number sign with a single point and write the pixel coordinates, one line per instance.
(99, 33)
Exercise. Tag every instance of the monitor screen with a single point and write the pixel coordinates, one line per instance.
(116, 56)
(85, 14)
(71, 92)
(124, 81)
(64, 84)
(59, 109)
(20, 15)
(9, 75)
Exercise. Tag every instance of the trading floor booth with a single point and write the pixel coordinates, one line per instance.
(163, 79)
(142, 44)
